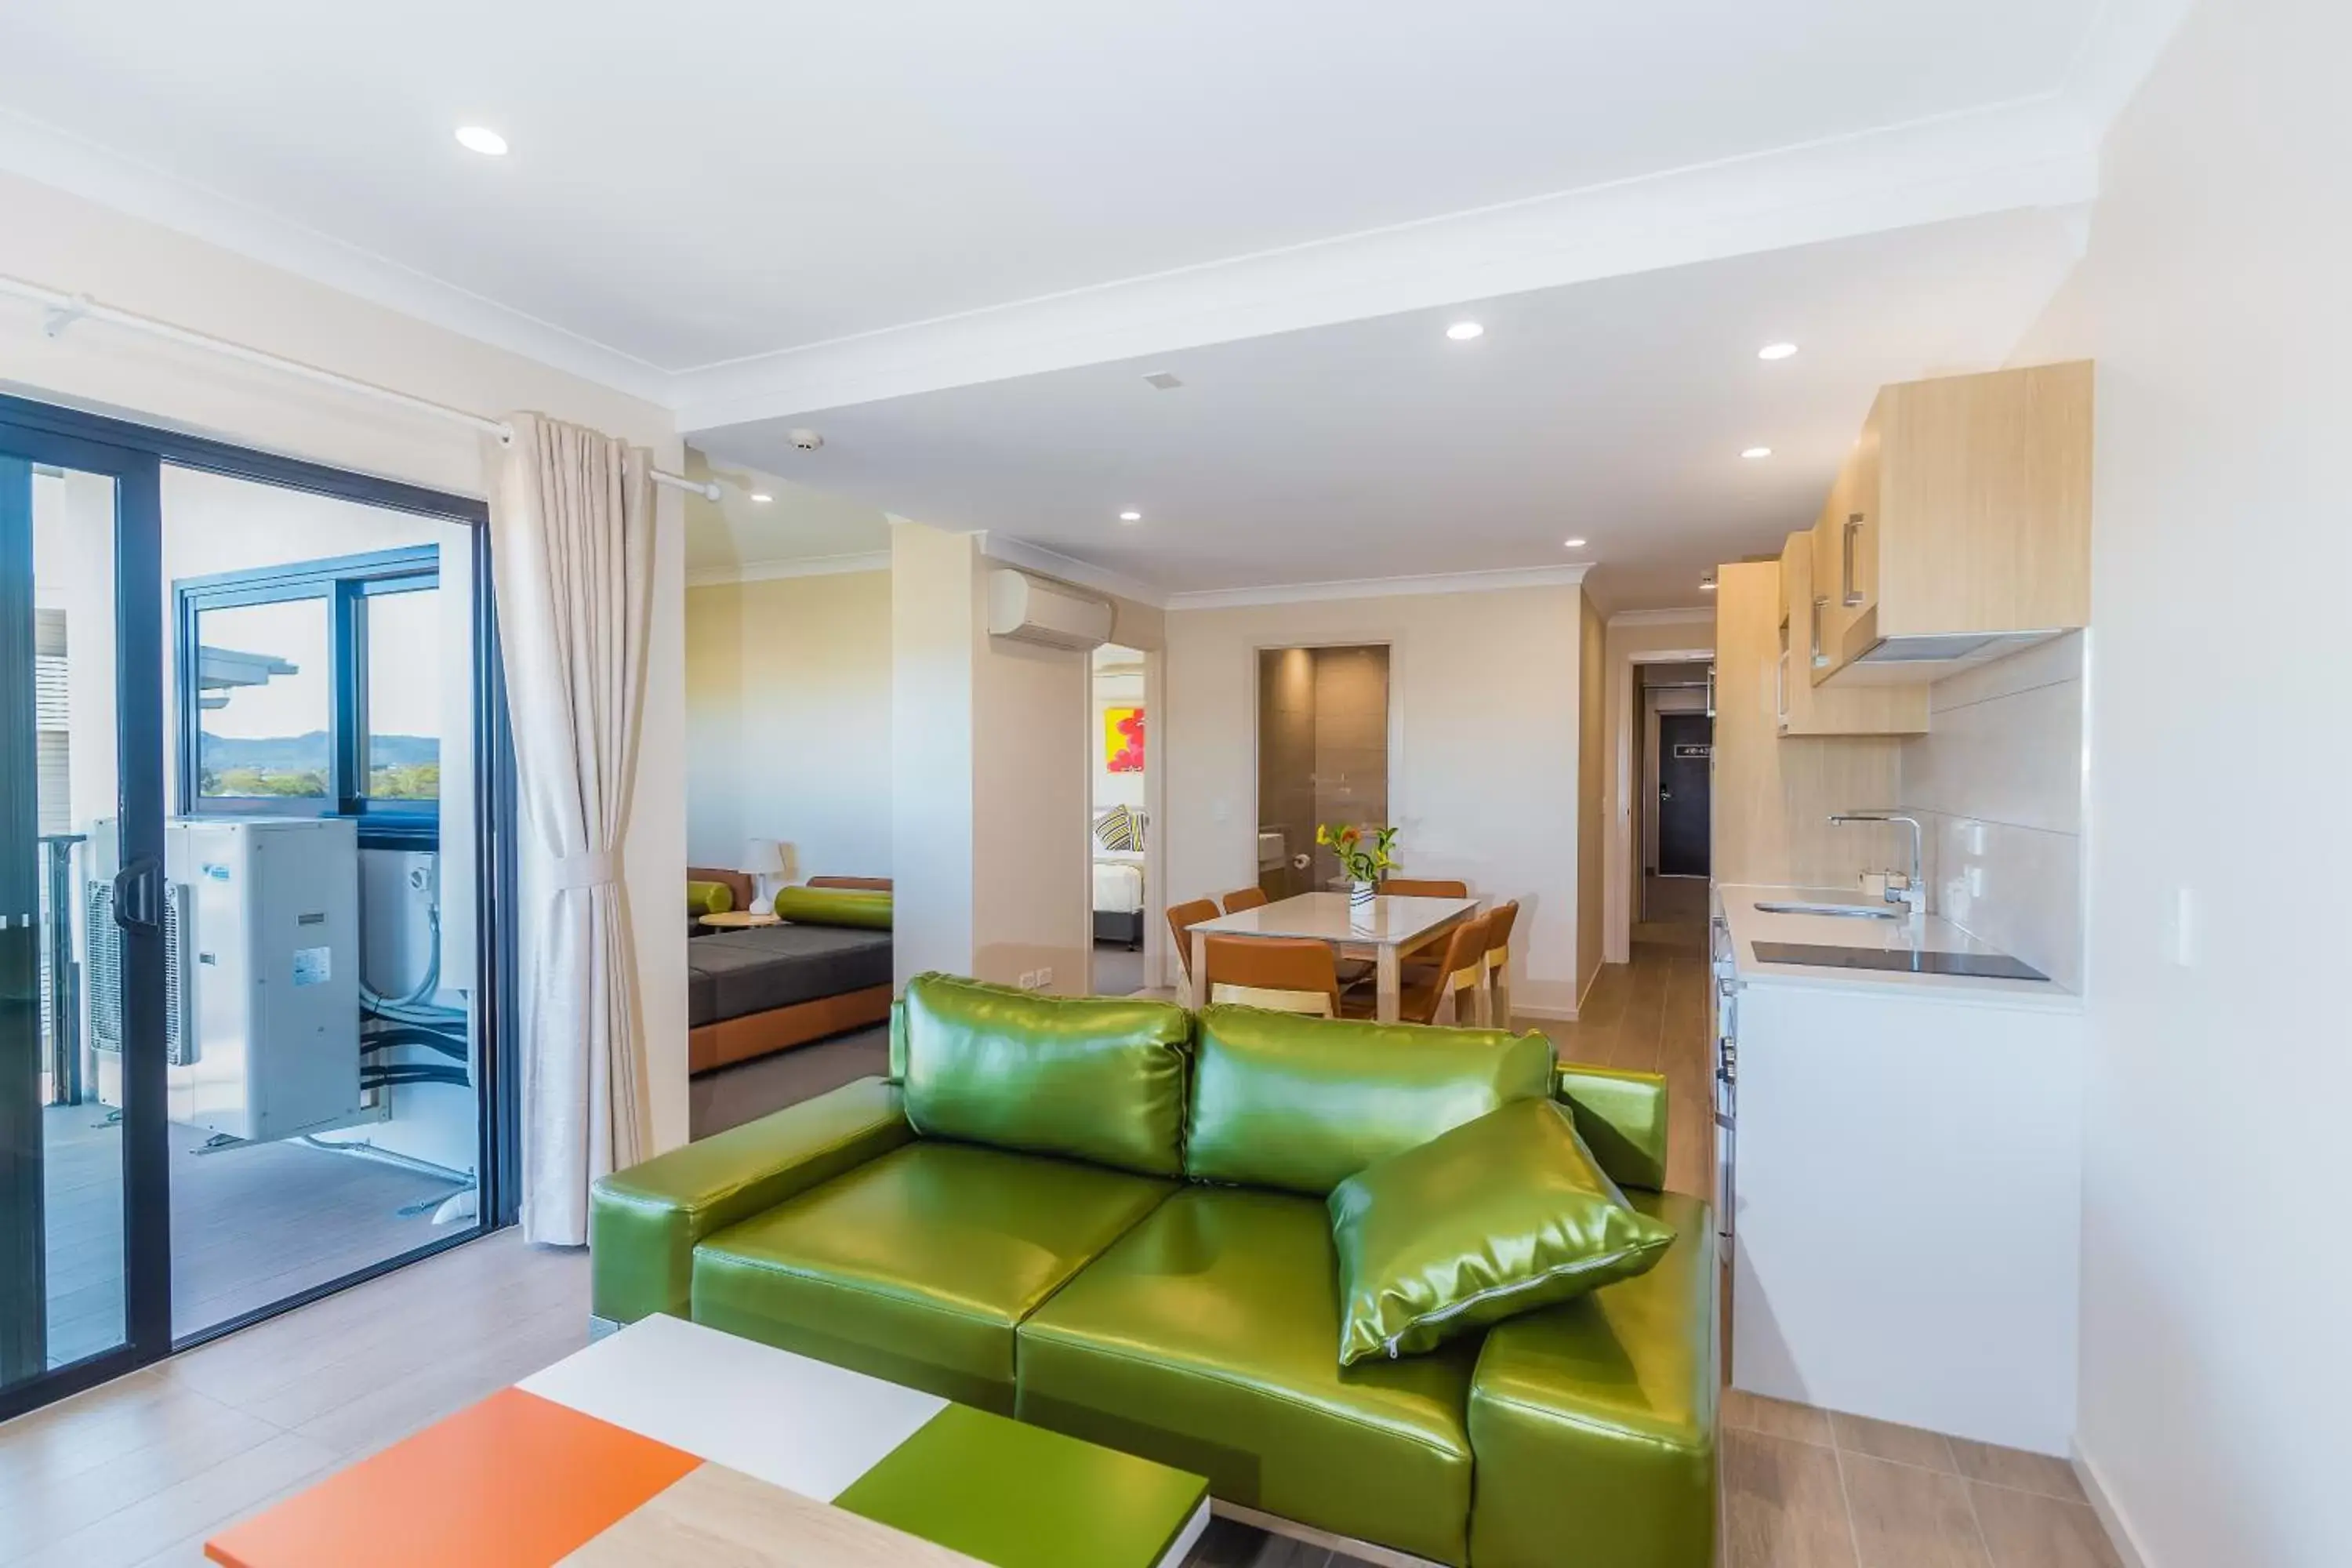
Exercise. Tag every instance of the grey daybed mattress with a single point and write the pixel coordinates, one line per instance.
(735, 973)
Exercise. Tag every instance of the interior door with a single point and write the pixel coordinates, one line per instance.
(83, 1266)
(1686, 744)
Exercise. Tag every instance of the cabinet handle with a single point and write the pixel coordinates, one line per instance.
(1781, 689)
(1853, 588)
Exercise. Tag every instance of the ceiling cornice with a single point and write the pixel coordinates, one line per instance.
(50, 156)
(1008, 550)
(804, 566)
(1382, 588)
(2039, 153)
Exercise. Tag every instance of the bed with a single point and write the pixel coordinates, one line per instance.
(754, 992)
(1119, 900)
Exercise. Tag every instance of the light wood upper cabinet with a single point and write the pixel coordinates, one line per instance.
(1804, 708)
(1960, 527)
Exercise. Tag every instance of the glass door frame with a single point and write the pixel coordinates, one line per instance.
(135, 456)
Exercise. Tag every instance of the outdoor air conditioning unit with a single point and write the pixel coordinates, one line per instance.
(261, 949)
(1030, 609)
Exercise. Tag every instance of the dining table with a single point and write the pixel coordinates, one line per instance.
(1386, 929)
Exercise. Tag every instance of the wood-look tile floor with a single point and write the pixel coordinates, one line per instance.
(142, 1471)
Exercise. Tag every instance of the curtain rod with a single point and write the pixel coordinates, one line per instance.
(65, 310)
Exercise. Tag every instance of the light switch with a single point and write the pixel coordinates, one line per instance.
(2180, 928)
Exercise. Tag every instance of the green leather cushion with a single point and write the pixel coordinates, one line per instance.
(708, 897)
(868, 908)
(1500, 1215)
(915, 1267)
(1594, 1420)
(1203, 1340)
(1283, 1100)
(1098, 1079)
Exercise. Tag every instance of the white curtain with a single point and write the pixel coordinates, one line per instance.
(572, 534)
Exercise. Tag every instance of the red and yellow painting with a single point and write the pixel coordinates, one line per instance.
(1123, 740)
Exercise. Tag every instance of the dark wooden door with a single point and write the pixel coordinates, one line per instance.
(1685, 745)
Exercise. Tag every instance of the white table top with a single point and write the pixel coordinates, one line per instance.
(803, 1425)
(1388, 922)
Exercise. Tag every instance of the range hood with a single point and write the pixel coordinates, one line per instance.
(1874, 660)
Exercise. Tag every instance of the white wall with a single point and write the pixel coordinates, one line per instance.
(66, 243)
(788, 721)
(934, 619)
(1483, 781)
(1997, 784)
(2215, 1281)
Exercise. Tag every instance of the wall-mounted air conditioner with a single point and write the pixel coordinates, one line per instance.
(1031, 609)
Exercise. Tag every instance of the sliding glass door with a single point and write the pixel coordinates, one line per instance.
(253, 885)
(84, 920)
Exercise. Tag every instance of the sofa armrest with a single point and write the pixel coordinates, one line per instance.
(1592, 1422)
(644, 1222)
(1622, 1117)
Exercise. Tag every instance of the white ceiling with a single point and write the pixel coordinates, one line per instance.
(711, 179)
(1614, 410)
(735, 536)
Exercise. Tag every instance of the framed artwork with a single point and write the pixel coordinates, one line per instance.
(1123, 740)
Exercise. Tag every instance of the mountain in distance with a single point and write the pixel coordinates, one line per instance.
(277, 754)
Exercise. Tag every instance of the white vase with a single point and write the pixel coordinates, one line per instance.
(1359, 895)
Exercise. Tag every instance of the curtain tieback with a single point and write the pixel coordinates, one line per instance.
(591, 868)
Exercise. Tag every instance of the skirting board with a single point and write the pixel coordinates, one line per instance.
(1548, 1014)
(2119, 1532)
(1274, 1524)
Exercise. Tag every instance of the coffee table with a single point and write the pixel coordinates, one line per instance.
(739, 919)
(669, 1443)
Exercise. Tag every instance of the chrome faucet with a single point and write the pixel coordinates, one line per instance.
(1914, 893)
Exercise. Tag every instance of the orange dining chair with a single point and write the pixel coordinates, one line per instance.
(1425, 888)
(1500, 921)
(1181, 919)
(1460, 975)
(1242, 899)
(1290, 974)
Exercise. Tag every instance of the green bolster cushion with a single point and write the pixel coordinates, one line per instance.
(708, 897)
(1283, 1100)
(1088, 1078)
(1501, 1215)
(866, 909)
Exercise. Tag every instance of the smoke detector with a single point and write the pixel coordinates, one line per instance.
(807, 441)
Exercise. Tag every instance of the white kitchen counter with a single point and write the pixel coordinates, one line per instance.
(1748, 925)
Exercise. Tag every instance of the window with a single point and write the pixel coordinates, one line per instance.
(315, 688)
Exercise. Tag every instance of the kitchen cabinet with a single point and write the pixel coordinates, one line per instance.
(1771, 797)
(1960, 527)
(1805, 709)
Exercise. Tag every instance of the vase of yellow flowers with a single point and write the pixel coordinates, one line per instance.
(1363, 856)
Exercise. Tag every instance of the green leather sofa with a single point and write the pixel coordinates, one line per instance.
(1109, 1217)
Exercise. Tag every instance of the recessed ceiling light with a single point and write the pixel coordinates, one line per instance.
(1756, 452)
(1462, 331)
(1776, 350)
(483, 140)
(1130, 517)
(1573, 543)
(762, 497)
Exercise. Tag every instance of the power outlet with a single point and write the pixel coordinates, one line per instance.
(1045, 978)
(1037, 979)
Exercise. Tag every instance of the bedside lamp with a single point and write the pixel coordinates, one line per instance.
(767, 861)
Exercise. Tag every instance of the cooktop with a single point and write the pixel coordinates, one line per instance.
(1975, 965)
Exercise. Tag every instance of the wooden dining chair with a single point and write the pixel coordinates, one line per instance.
(1500, 921)
(1425, 888)
(1460, 976)
(1181, 919)
(1242, 899)
(1289, 974)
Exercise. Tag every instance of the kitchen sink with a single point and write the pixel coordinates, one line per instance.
(1844, 912)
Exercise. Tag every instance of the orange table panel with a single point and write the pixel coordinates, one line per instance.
(514, 1480)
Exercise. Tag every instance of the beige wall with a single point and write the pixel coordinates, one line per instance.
(1483, 689)
(1685, 633)
(2213, 1377)
(934, 621)
(66, 243)
(788, 721)
(1591, 794)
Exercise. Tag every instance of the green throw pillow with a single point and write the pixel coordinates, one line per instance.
(1497, 1217)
